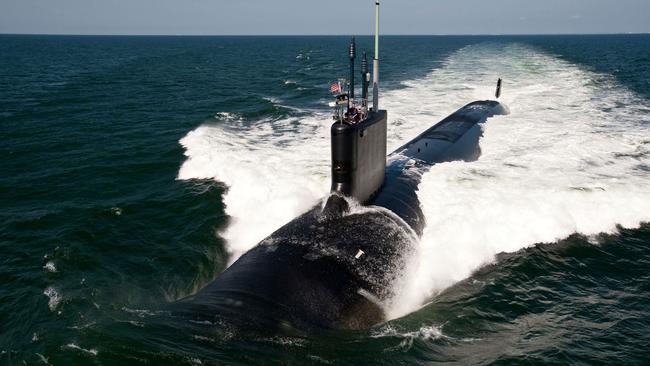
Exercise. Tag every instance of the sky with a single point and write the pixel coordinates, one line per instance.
(311, 17)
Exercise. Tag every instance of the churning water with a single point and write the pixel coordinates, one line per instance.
(535, 253)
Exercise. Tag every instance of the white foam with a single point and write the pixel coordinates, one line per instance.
(50, 267)
(74, 346)
(425, 333)
(228, 116)
(43, 359)
(567, 159)
(141, 312)
(274, 171)
(53, 297)
(571, 157)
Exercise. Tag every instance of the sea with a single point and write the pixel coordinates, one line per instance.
(135, 169)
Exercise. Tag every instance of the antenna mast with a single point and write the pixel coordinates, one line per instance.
(365, 80)
(375, 63)
(353, 55)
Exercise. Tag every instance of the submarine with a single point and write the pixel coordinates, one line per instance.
(336, 266)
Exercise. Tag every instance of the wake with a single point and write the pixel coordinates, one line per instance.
(573, 156)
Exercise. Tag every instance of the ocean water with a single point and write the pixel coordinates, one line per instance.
(135, 169)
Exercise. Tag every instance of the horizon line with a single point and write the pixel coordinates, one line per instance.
(321, 35)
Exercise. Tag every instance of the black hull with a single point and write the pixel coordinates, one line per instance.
(455, 138)
(335, 266)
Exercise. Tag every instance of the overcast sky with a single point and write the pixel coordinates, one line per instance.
(216, 17)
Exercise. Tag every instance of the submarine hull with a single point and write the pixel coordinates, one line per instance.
(335, 266)
(455, 138)
(329, 268)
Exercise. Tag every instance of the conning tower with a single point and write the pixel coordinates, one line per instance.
(359, 133)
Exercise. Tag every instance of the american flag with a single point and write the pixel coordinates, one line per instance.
(335, 87)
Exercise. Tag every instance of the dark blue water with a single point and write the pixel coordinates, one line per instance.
(97, 233)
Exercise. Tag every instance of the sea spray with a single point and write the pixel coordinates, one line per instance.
(568, 159)
(271, 178)
(557, 165)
